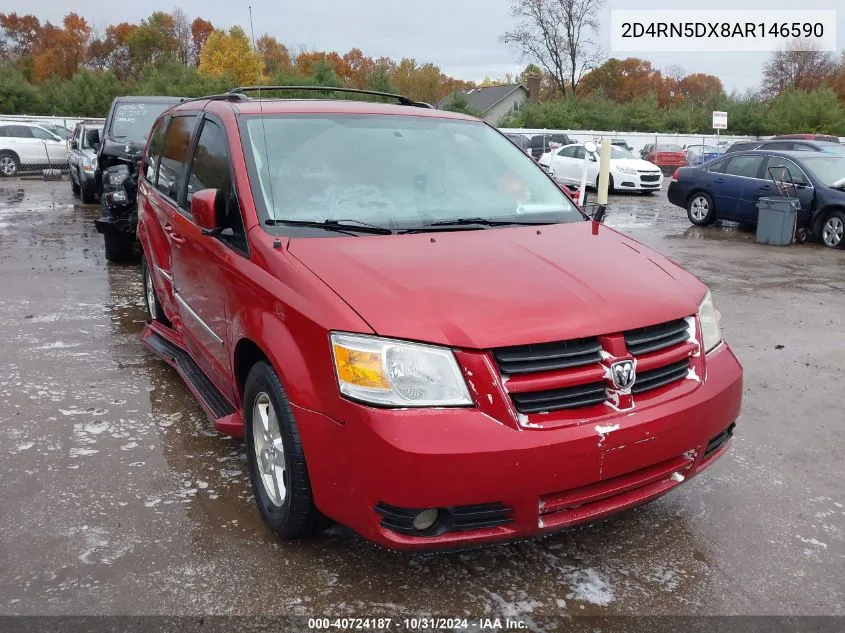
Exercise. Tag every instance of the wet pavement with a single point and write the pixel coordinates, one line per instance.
(118, 497)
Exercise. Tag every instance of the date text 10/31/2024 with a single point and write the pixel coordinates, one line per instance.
(415, 624)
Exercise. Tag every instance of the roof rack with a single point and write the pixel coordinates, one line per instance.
(226, 96)
(403, 100)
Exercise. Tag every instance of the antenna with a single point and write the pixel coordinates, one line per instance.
(251, 29)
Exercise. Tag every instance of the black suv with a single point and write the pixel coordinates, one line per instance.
(124, 136)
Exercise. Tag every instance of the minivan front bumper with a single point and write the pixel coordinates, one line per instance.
(376, 469)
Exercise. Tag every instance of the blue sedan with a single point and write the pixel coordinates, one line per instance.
(728, 189)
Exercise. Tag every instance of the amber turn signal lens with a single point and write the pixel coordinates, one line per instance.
(359, 368)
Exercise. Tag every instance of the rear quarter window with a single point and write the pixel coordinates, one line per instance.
(746, 166)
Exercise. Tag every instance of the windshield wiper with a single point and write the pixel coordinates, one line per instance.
(445, 225)
(341, 226)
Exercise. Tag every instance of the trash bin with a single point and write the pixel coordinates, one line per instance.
(776, 220)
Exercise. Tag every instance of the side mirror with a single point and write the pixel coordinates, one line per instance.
(74, 144)
(593, 158)
(600, 214)
(207, 207)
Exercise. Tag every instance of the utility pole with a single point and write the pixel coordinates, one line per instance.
(251, 29)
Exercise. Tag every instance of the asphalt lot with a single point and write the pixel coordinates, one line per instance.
(118, 497)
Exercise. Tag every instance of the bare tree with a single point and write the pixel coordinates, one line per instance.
(675, 71)
(796, 66)
(182, 34)
(559, 36)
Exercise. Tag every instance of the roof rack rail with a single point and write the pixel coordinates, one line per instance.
(226, 96)
(403, 100)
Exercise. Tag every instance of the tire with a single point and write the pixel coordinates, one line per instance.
(151, 296)
(610, 188)
(74, 187)
(87, 192)
(10, 164)
(833, 230)
(291, 512)
(700, 209)
(120, 247)
(647, 192)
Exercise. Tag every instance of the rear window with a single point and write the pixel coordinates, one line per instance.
(667, 148)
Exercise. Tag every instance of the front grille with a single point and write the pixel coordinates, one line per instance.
(656, 337)
(554, 399)
(526, 359)
(650, 177)
(567, 375)
(454, 519)
(661, 376)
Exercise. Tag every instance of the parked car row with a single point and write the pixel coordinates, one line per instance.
(627, 172)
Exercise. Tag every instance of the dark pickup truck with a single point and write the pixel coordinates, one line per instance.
(124, 137)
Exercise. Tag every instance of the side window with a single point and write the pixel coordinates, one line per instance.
(748, 166)
(719, 166)
(567, 152)
(177, 142)
(211, 169)
(778, 167)
(19, 131)
(784, 146)
(3, 132)
(44, 135)
(579, 152)
(151, 159)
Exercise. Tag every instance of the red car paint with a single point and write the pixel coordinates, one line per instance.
(666, 158)
(471, 291)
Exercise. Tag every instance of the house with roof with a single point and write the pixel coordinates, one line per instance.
(494, 102)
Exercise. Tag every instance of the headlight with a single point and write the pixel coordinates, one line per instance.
(626, 170)
(117, 175)
(709, 317)
(395, 373)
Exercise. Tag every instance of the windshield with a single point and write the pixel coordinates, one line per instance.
(618, 152)
(395, 171)
(133, 120)
(84, 136)
(829, 170)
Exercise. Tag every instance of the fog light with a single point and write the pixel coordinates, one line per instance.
(425, 519)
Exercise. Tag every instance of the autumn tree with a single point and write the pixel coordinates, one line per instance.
(200, 30)
(112, 51)
(559, 35)
(798, 69)
(230, 55)
(152, 39)
(622, 80)
(275, 55)
(19, 35)
(360, 68)
(698, 88)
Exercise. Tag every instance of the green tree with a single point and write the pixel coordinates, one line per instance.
(459, 102)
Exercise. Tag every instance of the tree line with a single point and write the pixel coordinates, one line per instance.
(69, 69)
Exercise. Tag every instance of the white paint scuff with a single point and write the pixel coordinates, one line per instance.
(604, 431)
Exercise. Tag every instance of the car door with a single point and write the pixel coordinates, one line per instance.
(748, 171)
(199, 261)
(782, 170)
(557, 166)
(572, 162)
(54, 147)
(154, 215)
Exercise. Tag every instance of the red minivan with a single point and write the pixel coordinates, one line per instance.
(415, 331)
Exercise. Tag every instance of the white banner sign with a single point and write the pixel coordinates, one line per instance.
(720, 120)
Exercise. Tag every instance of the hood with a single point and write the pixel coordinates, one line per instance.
(500, 287)
(635, 163)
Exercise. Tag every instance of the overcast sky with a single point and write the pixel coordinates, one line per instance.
(461, 36)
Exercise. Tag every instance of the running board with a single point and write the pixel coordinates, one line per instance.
(164, 343)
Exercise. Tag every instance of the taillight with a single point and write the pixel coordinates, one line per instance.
(675, 175)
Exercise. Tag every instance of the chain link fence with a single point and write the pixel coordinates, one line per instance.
(33, 147)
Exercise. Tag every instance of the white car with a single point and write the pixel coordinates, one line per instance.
(29, 147)
(627, 172)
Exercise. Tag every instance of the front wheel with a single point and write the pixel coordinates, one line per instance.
(833, 230)
(120, 247)
(75, 188)
(87, 190)
(9, 165)
(700, 209)
(151, 296)
(277, 468)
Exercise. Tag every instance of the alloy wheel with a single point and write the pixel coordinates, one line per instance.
(269, 449)
(8, 166)
(699, 208)
(151, 297)
(833, 231)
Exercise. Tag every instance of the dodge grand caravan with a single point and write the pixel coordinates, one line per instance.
(415, 331)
